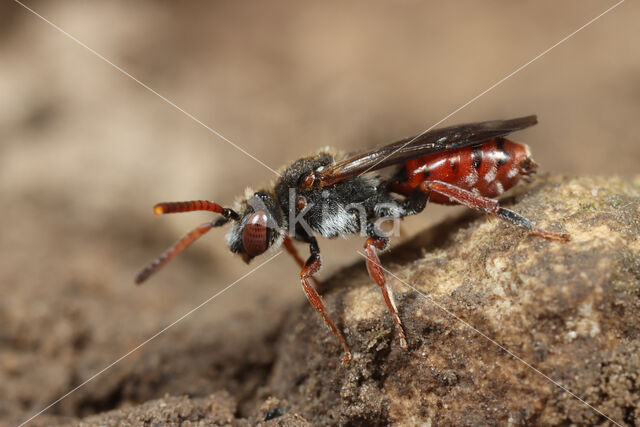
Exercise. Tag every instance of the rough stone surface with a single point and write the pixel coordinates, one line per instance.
(468, 291)
(568, 311)
(219, 409)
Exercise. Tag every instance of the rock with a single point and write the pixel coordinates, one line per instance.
(218, 409)
(502, 326)
(215, 410)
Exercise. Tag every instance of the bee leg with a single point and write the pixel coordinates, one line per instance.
(288, 245)
(377, 274)
(485, 204)
(312, 265)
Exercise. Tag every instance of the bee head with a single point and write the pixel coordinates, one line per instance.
(259, 227)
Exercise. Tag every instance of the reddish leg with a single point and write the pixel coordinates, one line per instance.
(288, 245)
(377, 274)
(474, 201)
(312, 265)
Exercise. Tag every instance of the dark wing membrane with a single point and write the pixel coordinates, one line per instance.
(434, 141)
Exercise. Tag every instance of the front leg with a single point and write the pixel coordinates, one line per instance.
(288, 245)
(377, 274)
(312, 266)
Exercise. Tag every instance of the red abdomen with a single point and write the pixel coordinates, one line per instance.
(488, 169)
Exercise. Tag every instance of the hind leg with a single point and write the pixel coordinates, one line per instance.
(484, 204)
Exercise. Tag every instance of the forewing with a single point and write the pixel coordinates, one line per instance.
(434, 141)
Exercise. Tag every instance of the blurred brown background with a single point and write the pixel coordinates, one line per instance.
(85, 151)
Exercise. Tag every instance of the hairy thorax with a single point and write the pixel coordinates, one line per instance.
(338, 210)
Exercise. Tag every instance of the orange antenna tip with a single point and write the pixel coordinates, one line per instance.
(193, 205)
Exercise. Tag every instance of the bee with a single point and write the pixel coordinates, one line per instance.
(332, 194)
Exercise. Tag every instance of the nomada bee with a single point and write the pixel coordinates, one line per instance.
(331, 194)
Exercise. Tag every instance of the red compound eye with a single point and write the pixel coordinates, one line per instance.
(255, 237)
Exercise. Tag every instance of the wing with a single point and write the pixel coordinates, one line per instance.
(434, 141)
